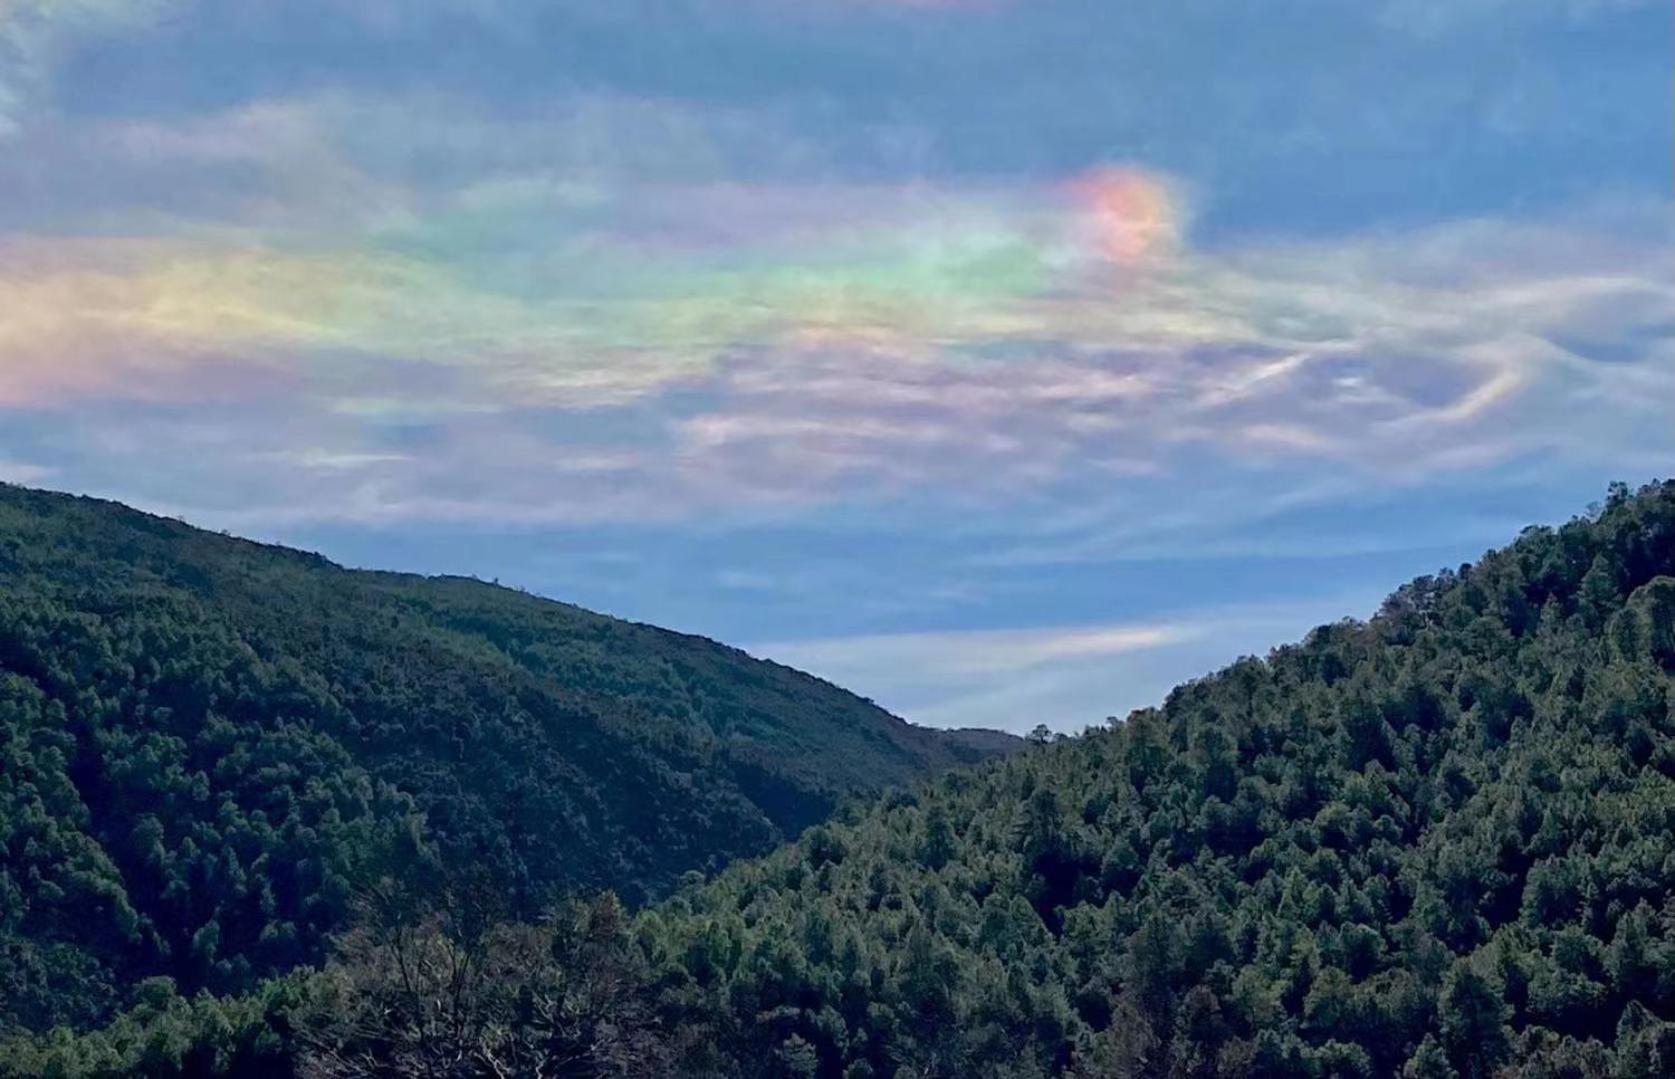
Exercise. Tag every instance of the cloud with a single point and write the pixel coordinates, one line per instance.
(955, 654)
(1368, 354)
(32, 32)
(848, 343)
(690, 298)
(553, 284)
(1134, 216)
(1065, 676)
(24, 472)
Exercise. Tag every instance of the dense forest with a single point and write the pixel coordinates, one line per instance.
(1437, 843)
(204, 742)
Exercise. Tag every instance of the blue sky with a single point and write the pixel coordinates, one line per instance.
(1006, 362)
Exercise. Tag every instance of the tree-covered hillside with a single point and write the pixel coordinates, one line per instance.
(201, 736)
(1439, 843)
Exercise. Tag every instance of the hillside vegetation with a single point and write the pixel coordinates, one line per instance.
(1438, 843)
(201, 738)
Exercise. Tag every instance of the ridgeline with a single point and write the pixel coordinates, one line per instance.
(1437, 843)
(203, 740)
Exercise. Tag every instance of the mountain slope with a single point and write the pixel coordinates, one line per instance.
(199, 735)
(1438, 843)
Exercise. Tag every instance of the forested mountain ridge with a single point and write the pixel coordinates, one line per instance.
(1438, 843)
(199, 734)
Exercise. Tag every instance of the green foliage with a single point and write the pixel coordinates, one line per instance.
(1437, 844)
(203, 741)
(1441, 843)
(167, 1034)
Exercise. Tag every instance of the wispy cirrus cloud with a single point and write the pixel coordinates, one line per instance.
(553, 283)
(994, 651)
(1068, 676)
(33, 32)
(802, 342)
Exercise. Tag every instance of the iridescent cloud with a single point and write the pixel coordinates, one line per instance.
(1134, 215)
(828, 342)
(542, 287)
(909, 325)
(618, 306)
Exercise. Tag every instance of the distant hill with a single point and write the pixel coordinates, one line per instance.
(200, 736)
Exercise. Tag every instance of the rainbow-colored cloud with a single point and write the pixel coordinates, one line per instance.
(846, 340)
(629, 295)
(886, 268)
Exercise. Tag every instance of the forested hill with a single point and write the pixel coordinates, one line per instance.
(199, 735)
(1439, 843)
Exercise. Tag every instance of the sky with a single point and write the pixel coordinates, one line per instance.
(1004, 361)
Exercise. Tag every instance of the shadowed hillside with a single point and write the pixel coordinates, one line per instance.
(199, 735)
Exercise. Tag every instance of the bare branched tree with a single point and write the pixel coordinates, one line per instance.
(454, 993)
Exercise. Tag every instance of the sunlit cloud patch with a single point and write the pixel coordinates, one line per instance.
(1134, 215)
